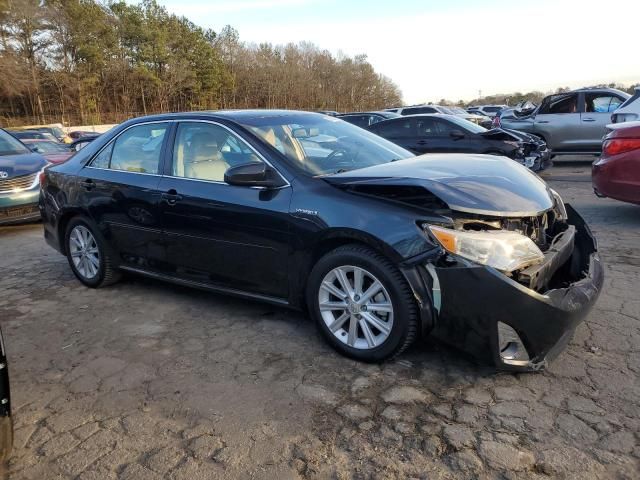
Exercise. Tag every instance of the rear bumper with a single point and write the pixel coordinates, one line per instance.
(470, 301)
(618, 177)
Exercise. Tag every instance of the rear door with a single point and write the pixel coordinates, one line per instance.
(119, 187)
(230, 237)
(596, 115)
(558, 121)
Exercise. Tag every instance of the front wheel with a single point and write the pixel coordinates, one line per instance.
(362, 304)
(88, 255)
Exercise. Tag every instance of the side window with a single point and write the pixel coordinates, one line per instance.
(103, 158)
(601, 103)
(401, 128)
(564, 103)
(427, 127)
(136, 150)
(205, 151)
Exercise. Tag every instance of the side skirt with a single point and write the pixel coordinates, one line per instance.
(205, 286)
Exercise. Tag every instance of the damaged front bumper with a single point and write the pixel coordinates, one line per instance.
(502, 321)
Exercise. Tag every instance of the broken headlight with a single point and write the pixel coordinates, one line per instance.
(560, 208)
(501, 249)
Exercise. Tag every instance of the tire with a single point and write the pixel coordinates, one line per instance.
(397, 327)
(93, 274)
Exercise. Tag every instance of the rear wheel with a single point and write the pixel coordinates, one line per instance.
(88, 256)
(362, 304)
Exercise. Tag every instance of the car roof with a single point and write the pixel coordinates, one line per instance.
(234, 115)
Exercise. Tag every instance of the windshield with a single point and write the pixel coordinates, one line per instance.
(322, 145)
(10, 145)
(467, 125)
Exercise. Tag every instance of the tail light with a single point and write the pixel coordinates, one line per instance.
(496, 122)
(616, 146)
(42, 177)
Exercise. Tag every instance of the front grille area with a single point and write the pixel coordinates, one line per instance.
(17, 183)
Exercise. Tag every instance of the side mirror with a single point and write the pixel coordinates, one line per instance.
(456, 134)
(254, 174)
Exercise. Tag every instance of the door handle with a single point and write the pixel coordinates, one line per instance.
(88, 184)
(171, 197)
(542, 121)
(588, 119)
(422, 142)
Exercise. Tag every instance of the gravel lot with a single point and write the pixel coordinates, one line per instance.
(147, 380)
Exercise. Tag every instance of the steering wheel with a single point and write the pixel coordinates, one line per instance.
(335, 153)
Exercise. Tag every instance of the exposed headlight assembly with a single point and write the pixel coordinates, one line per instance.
(501, 249)
(561, 209)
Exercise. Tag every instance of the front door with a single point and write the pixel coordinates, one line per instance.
(227, 236)
(119, 186)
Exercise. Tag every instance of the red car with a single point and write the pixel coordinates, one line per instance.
(53, 152)
(616, 174)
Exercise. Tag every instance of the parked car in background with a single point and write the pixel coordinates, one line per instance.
(19, 186)
(82, 142)
(422, 109)
(572, 122)
(364, 119)
(6, 421)
(616, 174)
(331, 113)
(54, 129)
(77, 134)
(478, 251)
(33, 135)
(629, 111)
(487, 110)
(53, 152)
(451, 134)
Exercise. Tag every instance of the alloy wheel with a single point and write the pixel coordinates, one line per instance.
(84, 252)
(356, 307)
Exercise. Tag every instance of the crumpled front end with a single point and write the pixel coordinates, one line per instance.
(517, 321)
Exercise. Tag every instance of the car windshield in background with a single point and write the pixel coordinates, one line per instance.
(49, 147)
(467, 125)
(322, 145)
(10, 146)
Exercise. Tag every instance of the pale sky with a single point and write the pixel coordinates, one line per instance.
(450, 48)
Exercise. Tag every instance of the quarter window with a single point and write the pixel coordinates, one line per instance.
(137, 149)
(205, 151)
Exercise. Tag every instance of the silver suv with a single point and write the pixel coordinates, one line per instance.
(572, 122)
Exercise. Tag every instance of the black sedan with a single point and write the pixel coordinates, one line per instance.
(440, 133)
(305, 210)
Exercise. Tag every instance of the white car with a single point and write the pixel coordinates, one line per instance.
(487, 110)
(629, 111)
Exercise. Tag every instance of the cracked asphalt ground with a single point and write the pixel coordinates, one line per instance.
(147, 380)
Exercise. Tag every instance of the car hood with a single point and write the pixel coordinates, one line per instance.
(480, 184)
(22, 164)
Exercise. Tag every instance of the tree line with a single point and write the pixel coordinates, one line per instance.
(83, 62)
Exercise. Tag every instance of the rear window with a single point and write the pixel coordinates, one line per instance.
(418, 110)
(492, 109)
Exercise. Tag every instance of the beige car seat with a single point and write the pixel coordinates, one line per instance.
(203, 159)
